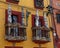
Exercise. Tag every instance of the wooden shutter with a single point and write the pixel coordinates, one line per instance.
(33, 20)
(12, 47)
(39, 47)
(6, 17)
(18, 14)
(42, 20)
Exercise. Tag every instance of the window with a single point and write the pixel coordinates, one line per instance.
(14, 19)
(16, 0)
(13, 29)
(38, 4)
(41, 20)
(36, 32)
(39, 47)
(13, 1)
(15, 14)
(58, 18)
(12, 47)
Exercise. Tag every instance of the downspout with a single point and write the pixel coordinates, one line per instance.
(53, 28)
(53, 25)
(54, 31)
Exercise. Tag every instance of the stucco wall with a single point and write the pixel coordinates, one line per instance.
(28, 43)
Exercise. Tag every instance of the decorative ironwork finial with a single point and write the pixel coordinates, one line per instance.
(45, 19)
(23, 23)
(9, 13)
(27, 15)
(37, 18)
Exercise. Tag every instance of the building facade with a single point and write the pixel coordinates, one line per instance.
(24, 24)
(56, 19)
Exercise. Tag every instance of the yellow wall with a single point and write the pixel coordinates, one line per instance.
(28, 43)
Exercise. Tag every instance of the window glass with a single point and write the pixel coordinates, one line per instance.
(58, 18)
(14, 19)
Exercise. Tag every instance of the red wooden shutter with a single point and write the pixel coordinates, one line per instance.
(33, 25)
(42, 20)
(33, 20)
(6, 17)
(20, 18)
(12, 47)
(18, 14)
(12, 1)
(38, 47)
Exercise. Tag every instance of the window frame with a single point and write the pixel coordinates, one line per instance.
(18, 15)
(43, 33)
(37, 6)
(57, 18)
(12, 1)
(13, 47)
(38, 47)
(41, 18)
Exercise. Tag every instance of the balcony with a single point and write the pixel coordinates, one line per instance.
(15, 32)
(40, 35)
(41, 28)
(41, 40)
(15, 38)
